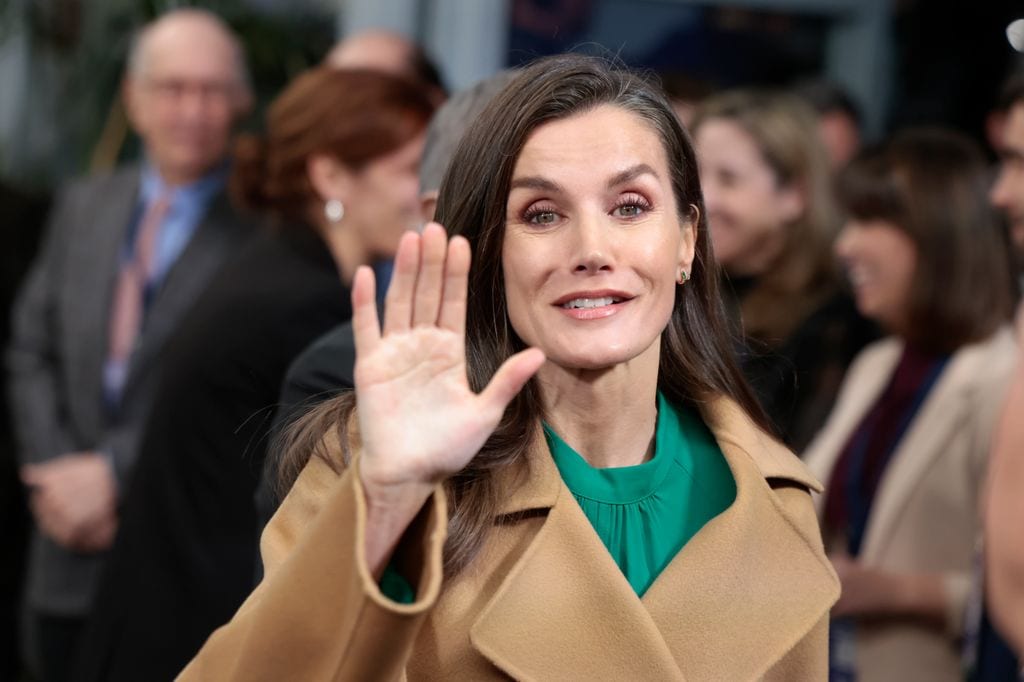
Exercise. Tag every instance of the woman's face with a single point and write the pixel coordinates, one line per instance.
(748, 209)
(593, 240)
(384, 199)
(880, 260)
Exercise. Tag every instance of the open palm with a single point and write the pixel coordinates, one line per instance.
(419, 420)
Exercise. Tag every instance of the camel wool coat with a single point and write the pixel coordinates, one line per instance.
(746, 599)
(925, 516)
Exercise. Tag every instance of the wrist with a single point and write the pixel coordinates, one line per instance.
(389, 512)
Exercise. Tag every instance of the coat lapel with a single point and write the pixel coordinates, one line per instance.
(531, 629)
(749, 578)
(869, 379)
(750, 584)
(102, 239)
(217, 234)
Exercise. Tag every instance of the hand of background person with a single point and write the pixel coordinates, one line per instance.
(419, 420)
(868, 591)
(865, 590)
(74, 500)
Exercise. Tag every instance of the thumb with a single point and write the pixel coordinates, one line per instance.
(510, 379)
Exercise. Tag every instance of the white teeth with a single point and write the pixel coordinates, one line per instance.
(590, 302)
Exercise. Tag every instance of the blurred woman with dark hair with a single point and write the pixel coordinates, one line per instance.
(904, 452)
(337, 173)
(551, 467)
(772, 216)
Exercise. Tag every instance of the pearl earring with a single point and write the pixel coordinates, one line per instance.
(334, 210)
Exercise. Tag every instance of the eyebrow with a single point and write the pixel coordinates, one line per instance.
(539, 183)
(536, 182)
(631, 174)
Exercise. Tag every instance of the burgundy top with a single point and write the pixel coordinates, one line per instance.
(866, 455)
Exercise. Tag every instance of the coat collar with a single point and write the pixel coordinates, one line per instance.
(750, 576)
(216, 237)
(941, 414)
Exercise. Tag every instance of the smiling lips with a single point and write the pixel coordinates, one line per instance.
(592, 305)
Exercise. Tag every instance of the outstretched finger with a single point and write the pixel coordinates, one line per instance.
(510, 379)
(434, 242)
(365, 326)
(398, 302)
(456, 277)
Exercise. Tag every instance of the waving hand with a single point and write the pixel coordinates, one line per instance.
(419, 420)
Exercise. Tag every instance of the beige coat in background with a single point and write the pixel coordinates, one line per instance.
(747, 598)
(925, 517)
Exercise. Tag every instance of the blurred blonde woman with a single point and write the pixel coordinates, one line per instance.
(767, 187)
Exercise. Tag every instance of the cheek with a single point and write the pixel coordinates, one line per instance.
(396, 193)
(517, 305)
(761, 212)
(906, 268)
(218, 119)
(523, 277)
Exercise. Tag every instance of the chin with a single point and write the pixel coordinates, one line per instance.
(595, 359)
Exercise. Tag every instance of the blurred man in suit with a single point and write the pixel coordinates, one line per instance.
(125, 256)
(380, 50)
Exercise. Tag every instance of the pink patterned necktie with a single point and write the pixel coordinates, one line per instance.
(129, 295)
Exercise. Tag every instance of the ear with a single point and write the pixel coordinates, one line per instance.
(792, 201)
(330, 178)
(688, 243)
(428, 204)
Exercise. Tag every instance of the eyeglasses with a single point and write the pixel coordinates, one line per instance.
(174, 89)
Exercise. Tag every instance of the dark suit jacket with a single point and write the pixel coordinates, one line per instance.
(59, 346)
(324, 369)
(183, 558)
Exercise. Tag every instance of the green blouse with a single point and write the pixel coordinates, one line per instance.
(645, 514)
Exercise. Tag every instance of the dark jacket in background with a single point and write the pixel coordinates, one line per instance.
(324, 369)
(21, 220)
(182, 563)
(797, 378)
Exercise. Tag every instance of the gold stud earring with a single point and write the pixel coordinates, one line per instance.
(683, 277)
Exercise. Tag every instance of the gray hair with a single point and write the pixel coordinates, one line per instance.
(451, 121)
(139, 49)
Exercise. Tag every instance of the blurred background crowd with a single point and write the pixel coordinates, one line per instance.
(186, 190)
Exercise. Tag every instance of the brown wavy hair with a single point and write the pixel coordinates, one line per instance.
(697, 361)
(932, 184)
(354, 116)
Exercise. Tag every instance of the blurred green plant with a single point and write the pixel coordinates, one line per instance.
(74, 53)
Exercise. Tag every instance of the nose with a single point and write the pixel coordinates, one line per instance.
(190, 106)
(593, 244)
